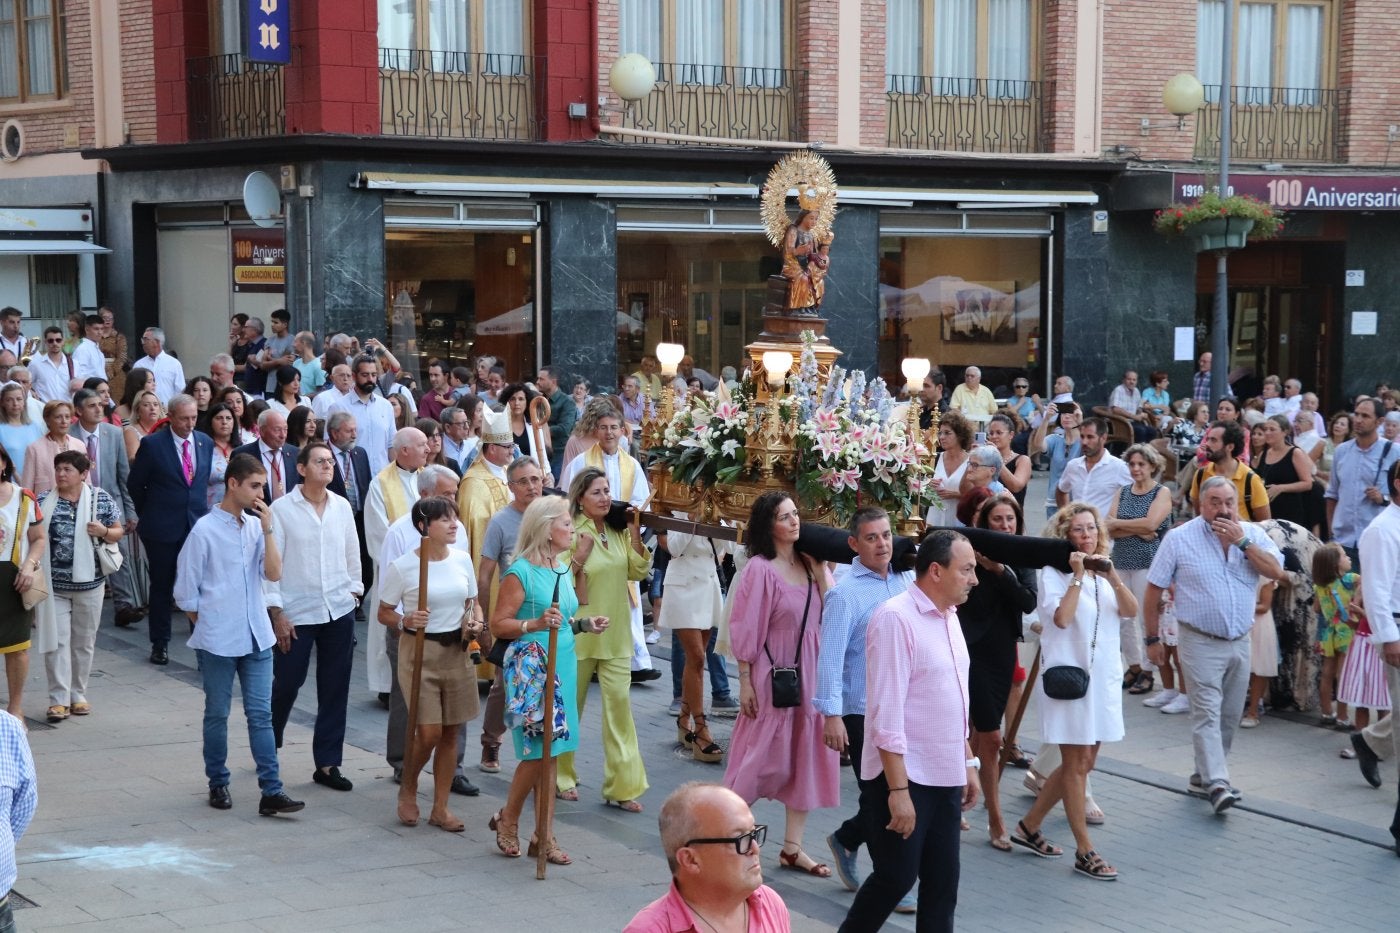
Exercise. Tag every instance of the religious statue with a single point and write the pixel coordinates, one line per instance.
(805, 242)
(805, 261)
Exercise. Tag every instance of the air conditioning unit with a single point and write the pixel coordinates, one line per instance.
(12, 141)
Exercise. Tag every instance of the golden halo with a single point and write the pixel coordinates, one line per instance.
(816, 191)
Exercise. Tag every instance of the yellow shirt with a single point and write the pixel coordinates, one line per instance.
(608, 570)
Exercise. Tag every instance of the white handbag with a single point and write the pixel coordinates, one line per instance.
(109, 555)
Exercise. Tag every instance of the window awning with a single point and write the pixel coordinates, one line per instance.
(521, 187)
(50, 247)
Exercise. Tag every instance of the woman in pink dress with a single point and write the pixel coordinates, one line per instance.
(778, 753)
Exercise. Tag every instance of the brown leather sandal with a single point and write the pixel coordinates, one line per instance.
(507, 840)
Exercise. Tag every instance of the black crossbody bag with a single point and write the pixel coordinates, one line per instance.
(1065, 681)
(787, 681)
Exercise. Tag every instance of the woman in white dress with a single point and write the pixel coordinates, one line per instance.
(954, 443)
(1080, 613)
(692, 607)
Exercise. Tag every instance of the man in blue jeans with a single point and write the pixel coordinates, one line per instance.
(218, 583)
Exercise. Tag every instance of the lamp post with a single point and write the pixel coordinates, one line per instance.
(1220, 319)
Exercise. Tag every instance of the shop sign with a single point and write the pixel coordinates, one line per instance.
(1302, 192)
(269, 31)
(259, 260)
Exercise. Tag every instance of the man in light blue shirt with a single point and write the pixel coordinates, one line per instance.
(1215, 563)
(18, 797)
(218, 583)
(1356, 489)
(840, 695)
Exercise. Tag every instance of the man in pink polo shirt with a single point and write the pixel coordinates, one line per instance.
(712, 846)
(916, 758)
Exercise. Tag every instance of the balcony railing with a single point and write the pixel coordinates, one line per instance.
(965, 114)
(233, 98)
(458, 95)
(727, 101)
(1275, 124)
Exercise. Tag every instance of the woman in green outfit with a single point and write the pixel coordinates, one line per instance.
(603, 561)
(537, 595)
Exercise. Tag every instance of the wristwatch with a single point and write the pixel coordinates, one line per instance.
(974, 763)
(1151, 640)
(1244, 544)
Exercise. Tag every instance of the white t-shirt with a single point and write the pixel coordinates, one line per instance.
(451, 583)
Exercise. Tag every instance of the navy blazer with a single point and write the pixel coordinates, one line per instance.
(167, 506)
(290, 477)
(359, 460)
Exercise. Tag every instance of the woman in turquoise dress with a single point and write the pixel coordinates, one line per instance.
(524, 614)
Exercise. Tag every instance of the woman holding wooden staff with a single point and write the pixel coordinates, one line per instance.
(536, 598)
(446, 621)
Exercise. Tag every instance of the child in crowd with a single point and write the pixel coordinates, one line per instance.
(1338, 593)
(1362, 681)
(1172, 699)
(1263, 653)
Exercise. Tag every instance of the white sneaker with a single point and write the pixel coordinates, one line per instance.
(1161, 699)
(653, 637)
(1180, 703)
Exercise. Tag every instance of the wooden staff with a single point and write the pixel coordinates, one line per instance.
(544, 791)
(539, 423)
(1009, 740)
(417, 687)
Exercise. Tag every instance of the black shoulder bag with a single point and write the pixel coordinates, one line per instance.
(724, 569)
(1066, 682)
(787, 681)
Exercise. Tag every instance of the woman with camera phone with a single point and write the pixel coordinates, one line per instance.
(777, 750)
(1081, 700)
(604, 560)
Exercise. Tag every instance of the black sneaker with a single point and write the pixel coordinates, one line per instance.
(219, 798)
(1223, 797)
(331, 778)
(278, 803)
(460, 785)
(1367, 760)
(645, 676)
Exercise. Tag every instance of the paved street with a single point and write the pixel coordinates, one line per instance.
(124, 839)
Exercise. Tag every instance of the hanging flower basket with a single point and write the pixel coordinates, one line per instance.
(1220, 223)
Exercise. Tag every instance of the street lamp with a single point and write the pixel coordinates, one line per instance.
(1220, 319)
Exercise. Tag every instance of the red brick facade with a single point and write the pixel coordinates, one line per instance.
(332, 85)
(1366, 36)
(179, 32)
(564, 33)
(1144, 45)
(817, 32)
(138, 72)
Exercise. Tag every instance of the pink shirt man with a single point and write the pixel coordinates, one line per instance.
(916, 691)
(670, 914)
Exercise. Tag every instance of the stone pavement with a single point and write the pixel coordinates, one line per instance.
(124, 840)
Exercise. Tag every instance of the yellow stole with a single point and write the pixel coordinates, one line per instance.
(626, 468)
(395, 502)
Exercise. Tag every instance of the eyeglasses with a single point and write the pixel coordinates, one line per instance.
(527, 481)
(54, 340)
(322, 461)
(743, 844)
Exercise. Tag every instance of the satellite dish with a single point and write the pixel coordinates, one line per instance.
(262, 200)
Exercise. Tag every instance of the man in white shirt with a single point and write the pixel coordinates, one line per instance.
(52, 371)
(1096, 476)
(169, 374)
(219, 584)
(1380, 588)
(88, 361)
(374, 416)
(341, 387)
(221, 368)
(391, 494)
(313, 607)
(10, 337)
(628, 481)
(1126, 401)
(402, 537)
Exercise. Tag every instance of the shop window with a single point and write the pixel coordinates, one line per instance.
(1279, 44)
(705, 291)
(455, 295)
(962, 301)
(960, 48)
(32, 50)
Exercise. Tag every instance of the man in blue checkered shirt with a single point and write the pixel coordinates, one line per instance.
(18, 797)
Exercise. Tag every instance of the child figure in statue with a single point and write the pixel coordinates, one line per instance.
(805, 262)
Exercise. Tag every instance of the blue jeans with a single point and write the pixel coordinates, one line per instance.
(255, 681)
(7, 918)
(719, 675)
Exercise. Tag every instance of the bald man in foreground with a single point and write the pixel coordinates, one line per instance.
(712, 846)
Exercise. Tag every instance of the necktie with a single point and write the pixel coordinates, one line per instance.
(274, 460)
(187, 462)
(94, 479)
(347, 470)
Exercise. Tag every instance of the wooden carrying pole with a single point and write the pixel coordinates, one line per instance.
(1014, 726)
(411, 745)
(539, 423)
(544, 790)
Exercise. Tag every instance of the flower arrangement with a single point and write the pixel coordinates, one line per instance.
(847, 451)
(1178, 219)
